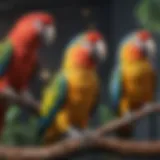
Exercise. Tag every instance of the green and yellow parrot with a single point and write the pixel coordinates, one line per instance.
(72, 95)
(133, 80)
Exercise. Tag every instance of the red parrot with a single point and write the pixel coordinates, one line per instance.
(19, 54)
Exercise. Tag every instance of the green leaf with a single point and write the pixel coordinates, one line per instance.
(148, 14)
(105, 114)
(17, 132)
(12, 114)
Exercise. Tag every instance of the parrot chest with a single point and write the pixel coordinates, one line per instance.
(21, 70)
(139, 83)
(82, 94)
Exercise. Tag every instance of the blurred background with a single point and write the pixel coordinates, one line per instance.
(114, 18)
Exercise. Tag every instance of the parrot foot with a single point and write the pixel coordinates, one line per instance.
(87, 132)
(74, 133)
(89, 138)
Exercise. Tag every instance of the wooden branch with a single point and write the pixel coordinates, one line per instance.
(91, 141)
(57, 150)
(94, 140)
(17, 99)
(129, 147)
(117, 123)
(70, 146)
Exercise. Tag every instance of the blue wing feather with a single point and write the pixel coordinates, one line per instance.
(116, 78)
(115, 88)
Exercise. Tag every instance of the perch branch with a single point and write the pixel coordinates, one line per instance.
(69, 146)
(65, 147)
(17, 99)
(117, 123)
(129, 147)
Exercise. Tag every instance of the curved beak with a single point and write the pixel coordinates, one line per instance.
(151, 47)
(49, 34)
(101, 50)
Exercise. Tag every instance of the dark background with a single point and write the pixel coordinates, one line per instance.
(114, 18)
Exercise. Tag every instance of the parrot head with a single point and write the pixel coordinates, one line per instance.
(86, 50)
(140, 45)
(35, 26)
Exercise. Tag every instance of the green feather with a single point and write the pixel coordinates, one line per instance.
(148, 12)
(6, 51)
(59, 87)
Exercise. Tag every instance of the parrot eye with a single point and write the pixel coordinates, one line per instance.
(87, 44)
(47, 32)
(149, 47)
(139, 43)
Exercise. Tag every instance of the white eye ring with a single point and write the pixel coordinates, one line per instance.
(38, 25)
(139, 43)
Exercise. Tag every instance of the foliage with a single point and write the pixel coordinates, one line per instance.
(17, 132)
(23, 133)
(105, 114)
(148, 13)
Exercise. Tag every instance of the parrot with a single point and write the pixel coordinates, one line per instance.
(133, 79)
(72, 95)
(19, 55)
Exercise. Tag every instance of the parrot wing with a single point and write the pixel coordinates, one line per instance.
(52, 102)
(6, 51)
(115, 88)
